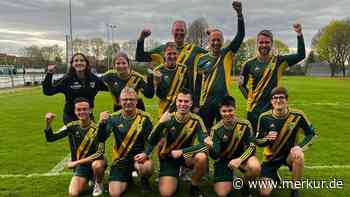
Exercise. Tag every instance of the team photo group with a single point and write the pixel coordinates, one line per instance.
(198, 129)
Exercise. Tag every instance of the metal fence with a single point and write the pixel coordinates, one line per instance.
(18, 80)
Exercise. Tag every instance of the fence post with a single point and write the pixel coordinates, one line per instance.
(11, 77)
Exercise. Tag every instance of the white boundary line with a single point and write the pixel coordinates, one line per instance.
(59, 167)
(2, 176)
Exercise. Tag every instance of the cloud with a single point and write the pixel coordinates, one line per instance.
(45, 22)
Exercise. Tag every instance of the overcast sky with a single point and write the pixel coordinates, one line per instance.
(44, 22)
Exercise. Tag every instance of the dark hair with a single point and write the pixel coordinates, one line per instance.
(266, 33)
(279, 90)
(80, 100)
(123, 55)
(228, 101)
(185, 91)
(72, 69)
(169, 45)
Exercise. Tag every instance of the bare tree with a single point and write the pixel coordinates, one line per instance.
(197, 32)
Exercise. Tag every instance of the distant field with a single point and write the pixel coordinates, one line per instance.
(25, 156)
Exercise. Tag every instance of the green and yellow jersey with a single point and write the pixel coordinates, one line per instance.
(258, 78)
(236, 142)
(84, 142)
(135, 80)
(172, 80)
(188, 54)
(216, 71)
(289, 129)
(130, 134)
(187, 135)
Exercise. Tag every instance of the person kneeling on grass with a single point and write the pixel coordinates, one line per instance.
(232, 147)
(131, 128)
(86, 149)
(278, 132)
(179, 130)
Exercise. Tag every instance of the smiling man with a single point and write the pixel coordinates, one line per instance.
(232, 147)
(262, 73)
(130, 127)
(180, 131)
(86, 149)
(187, 52)
(215, 69)
(170, 78)
(278, 131)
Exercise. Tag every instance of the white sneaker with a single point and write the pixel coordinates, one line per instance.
(98, 189)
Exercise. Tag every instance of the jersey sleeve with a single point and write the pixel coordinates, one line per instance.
(295, 58)
(51, 136)
(262, 132)
(248, 143)
(154, 137)
(243, 80)
(237, 41)
(309, 132)
(50, 87)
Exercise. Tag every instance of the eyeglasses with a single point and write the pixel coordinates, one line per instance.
(279, 97)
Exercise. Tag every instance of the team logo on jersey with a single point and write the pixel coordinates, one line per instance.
(225, 137)
(116, 84)
(92, 84)
(257, 69)
(291, 125)
(76, 85)
(120, 125)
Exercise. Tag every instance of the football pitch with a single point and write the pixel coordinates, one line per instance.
(29, 166)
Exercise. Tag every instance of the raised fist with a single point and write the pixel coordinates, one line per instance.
(104, 117)
(49, 118)
(145, 33)
(237, 5)
(297, 28)
(51, 68)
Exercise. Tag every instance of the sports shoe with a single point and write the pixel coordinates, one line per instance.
(98, 189)
(195, 191)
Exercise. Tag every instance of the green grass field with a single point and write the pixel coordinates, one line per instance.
(24, 151)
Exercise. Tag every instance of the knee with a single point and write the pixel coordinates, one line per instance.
(220, 192)
(98, 164)
(73, 193)
(255, 170)
(265, 192)
(165, 192)
(299, 158)
(115, 193)
(201, 158)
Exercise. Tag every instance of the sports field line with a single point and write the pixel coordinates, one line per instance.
(59, 167)
(4, 176)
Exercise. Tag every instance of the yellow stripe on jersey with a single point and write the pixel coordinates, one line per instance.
(85, 145)
(129, 140)
(254, 95)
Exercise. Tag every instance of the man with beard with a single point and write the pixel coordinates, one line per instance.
(215, 68)
(188, 53)
(262, 73)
